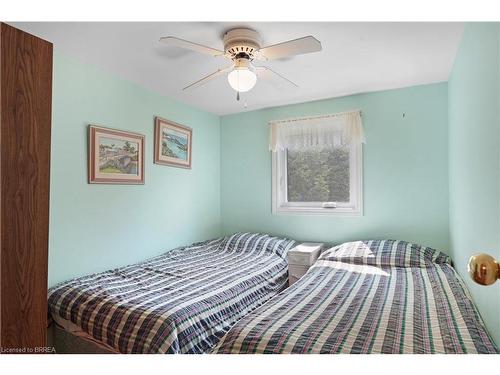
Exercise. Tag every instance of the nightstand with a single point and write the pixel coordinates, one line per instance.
(300, 258)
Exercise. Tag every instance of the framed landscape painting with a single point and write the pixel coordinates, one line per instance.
(172, 144)
(115, 156)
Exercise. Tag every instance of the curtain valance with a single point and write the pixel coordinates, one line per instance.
(322, 131)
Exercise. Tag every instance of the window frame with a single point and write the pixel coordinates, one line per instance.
(280, 204)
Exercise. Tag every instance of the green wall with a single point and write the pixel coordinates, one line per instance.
(474, 145)
(405, 170)
(97, 227)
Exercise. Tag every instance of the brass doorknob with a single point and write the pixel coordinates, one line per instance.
(484, 269)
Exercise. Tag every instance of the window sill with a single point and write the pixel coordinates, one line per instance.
(320, 211)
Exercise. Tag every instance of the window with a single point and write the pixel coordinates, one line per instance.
(317, 179)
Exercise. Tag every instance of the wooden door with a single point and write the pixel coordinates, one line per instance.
(25, 120)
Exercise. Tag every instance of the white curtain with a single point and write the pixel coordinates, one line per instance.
(335, 130)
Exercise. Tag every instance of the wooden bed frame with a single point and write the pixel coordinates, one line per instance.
(66, 342)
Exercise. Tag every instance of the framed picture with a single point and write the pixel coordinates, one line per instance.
(172, 144)
(115, 156)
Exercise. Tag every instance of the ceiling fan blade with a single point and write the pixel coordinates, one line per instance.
(294, 47)
(268, 74)
(177, 42)
(207, 78)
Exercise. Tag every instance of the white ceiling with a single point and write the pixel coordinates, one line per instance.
(356, 57)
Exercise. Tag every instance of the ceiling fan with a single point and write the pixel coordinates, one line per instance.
(243, 46)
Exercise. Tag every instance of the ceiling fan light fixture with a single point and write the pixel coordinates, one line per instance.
(242, 78)
(242, 46)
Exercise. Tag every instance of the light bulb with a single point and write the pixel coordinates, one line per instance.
(242, 78)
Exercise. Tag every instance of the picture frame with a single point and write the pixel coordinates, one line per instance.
(115, 156)
(172, 144)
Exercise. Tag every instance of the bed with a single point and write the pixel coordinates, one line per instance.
(183, 301)
(367, 297)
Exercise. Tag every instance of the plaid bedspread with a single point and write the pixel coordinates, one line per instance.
(367, 297)
(183, 301)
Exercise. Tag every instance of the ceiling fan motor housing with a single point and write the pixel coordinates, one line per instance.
(241, 43)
